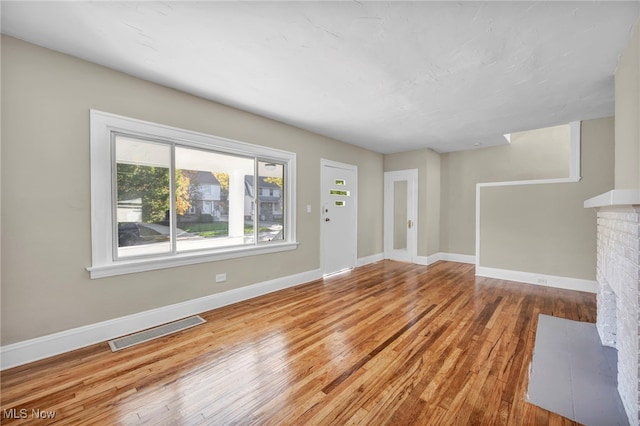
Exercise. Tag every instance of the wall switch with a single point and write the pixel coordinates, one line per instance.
(221, 277)
(308, 208)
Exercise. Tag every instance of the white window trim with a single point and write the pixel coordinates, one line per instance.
(102, 262)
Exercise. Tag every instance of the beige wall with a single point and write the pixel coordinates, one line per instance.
(545, 229)
(537, 154)
(46, 246)
(627, 110)
(428, 164)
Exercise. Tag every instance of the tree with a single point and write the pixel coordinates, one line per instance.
(183, 192)
(275, 180)
(223, 179)
(151, 184)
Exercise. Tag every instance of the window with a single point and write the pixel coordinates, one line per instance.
(164, 197)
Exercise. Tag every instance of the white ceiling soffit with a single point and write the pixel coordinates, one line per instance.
(388, 76)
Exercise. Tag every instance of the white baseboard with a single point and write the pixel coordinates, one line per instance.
(449, 257)
(54, 344)
(370, 259)
(538, 279)
(461, 258)
(433, 258)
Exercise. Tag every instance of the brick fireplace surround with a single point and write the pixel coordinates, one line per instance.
(618, 294)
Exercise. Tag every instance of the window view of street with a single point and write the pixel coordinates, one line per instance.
(218, 201)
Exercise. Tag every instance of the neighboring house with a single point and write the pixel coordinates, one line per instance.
(206, 197)
(269, 197)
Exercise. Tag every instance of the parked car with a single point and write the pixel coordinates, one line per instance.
(128, 234)
(135, 233)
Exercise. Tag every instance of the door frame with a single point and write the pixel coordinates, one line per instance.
(411, 176)
(323, 191)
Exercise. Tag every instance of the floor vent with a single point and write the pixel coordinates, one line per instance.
(154, 333)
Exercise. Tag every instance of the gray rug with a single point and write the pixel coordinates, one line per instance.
(573, 375)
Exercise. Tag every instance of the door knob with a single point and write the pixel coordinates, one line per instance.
(327, 219)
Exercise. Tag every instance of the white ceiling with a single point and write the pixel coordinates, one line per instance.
(388, 76)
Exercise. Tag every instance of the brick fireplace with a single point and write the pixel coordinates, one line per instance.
(618, 296)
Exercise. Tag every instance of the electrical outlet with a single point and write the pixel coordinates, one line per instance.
(221, 278)
(542, 280)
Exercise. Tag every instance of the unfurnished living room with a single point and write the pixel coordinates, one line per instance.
(320, 213)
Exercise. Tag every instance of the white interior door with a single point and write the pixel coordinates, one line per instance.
(401, 215)
(339, 216)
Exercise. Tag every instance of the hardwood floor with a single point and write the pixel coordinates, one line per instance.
(388, 343)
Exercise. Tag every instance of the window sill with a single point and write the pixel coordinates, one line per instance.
(141, 265)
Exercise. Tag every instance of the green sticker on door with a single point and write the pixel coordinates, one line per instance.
(339, 192)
